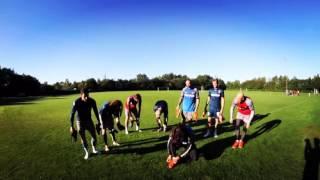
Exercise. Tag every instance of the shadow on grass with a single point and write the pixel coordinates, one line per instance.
(225, 126)
(156, 128)
(312, 158)
(155, 144)
(148, 146)
(216, 148)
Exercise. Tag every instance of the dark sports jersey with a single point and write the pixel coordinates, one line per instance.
(163, 105)
(105, 110)
(83, 109)
(181, 137)
(215, 95)
(116, 107)
(106, 114)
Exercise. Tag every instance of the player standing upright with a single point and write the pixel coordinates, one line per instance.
(83, 106)
(190, 100)
(215, 101)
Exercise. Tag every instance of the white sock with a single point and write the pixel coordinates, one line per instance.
(86, 156)
(94, 150)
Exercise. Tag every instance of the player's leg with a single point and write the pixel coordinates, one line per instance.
(158, 119)
(126, 122)
(183, 117)
(84, 142)
(92, 132)
(135, 114)
(165, 121)
(117, 118)
(112, 133)
(237, 132)
(243, 134)
(209, 127)
(244, 130)
(215, 129)
(188, 116)
(105, 139)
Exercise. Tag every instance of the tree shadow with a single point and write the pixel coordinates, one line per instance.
(18, 100)
(7, 101)
(312, 158)
(216, 148)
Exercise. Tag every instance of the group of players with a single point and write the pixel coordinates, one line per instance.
(181, 135)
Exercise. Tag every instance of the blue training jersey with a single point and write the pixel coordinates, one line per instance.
(190, 95)
(215, 95)
(104, 108)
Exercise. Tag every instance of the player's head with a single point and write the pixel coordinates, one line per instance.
(84, 93)
(240, 97)
(178, 134)
(137, 97)
(215, 83)
(188, 83)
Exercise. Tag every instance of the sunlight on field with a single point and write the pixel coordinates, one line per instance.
(34, 135)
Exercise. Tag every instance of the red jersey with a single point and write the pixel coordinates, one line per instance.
(244, 107)
(131, 103)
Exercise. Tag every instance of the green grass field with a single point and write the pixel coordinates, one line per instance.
(35, 141)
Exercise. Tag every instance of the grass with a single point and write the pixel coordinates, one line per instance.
(35, 141)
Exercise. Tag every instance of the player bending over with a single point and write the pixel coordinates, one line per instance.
(132, 111)
(181, 137)
(110, 111)
(245, 115)
(161, 107)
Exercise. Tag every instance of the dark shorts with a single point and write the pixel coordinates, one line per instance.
(214, 112)
(107, 122)
(85, 125)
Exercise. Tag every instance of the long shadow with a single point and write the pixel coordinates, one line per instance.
(156, 128)
(156, 144)
(312, 158)
(216, 148)
(135, 147)
(226, 126)
(259, 117)
(145, 141)
(18, 100)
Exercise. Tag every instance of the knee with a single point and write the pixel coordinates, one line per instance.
(103, 132)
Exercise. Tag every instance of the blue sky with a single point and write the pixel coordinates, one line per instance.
(78, 39)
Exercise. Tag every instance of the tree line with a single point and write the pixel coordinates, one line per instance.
(14, 84)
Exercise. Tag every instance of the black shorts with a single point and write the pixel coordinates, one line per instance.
(85, 125)
(108, 122)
